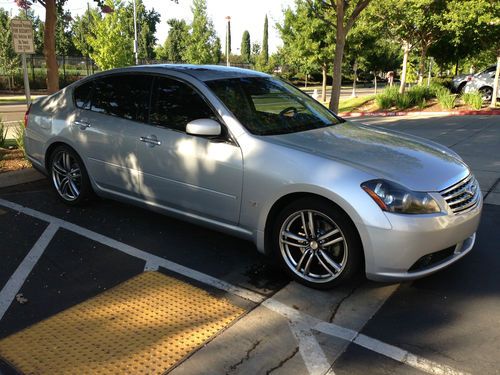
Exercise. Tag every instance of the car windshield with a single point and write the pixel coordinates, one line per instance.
(268, 106)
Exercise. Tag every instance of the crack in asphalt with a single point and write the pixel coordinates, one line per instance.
(336, 309)
(245, 358)
(283, 361)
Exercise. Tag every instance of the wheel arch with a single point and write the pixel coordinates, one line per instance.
(285, 200)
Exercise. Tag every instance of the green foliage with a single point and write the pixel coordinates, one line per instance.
(387, 98)
(3, 133)
(175, 45)
(83, 29)
(202, 42)
(112, 43)
(245, 46)
(19, 137)
(9, 60)
(417, 96)
(445, 98)
(473, 99)
(147, 21)
(265, 43)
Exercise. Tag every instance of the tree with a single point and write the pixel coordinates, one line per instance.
(112, 44)
(202, 39)
(83, 29)
(49, 39)
(147, 20)
(307, 41)
(265, 43)
(341, 15)
(9, 60)
(228, 36)
(175, 45)
(217, 50)
(245, 46)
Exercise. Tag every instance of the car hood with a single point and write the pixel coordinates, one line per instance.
(414, 162)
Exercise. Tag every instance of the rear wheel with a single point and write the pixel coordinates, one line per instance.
(69, 176)
(316, 243)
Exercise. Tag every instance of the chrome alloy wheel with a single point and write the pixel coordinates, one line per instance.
(66, 175)
(313, 246)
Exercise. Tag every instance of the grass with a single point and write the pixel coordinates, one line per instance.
(349, 104)
(16, 98)
(474, 99)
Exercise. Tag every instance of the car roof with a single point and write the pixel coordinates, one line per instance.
(201, 72)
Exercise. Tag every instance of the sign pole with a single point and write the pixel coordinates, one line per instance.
(26, 81)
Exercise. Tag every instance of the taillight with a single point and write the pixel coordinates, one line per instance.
(26, 116)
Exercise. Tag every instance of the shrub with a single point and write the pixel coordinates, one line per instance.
(387, 98)
(403, 101)
(19, 137)
(3, 133)
(419, 94)
(474, 99)
(445, 98)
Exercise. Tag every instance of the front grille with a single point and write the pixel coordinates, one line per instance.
(463, 196)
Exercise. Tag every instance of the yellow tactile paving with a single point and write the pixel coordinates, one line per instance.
(144, 325)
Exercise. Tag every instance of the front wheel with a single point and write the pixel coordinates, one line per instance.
(486, 93)
(316, 243)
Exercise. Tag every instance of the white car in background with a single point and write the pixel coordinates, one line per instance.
(483, 82)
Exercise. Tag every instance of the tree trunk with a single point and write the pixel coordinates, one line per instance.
(494, 96)
(337, 70)
(405, 66)
(323, 83)
(375, 82)
(305, 83)
(421, 66)
(49, 46)
(354, 83)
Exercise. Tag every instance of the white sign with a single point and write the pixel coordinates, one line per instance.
(22, 36)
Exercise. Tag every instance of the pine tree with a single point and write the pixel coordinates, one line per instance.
(245, 46)
(265, 42)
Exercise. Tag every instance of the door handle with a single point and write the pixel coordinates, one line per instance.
(151, 140)
(82, 124)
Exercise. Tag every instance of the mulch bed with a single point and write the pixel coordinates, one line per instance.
(12, 160)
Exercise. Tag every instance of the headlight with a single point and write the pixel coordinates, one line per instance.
(392, 197)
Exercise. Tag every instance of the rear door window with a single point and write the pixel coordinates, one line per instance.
(174, 104)
(82, 95)
(125, 96)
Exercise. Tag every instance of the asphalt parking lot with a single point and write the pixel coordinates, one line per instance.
(55, 258)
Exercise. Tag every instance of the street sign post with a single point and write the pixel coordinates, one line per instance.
(22, 38)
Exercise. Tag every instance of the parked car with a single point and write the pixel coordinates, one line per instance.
(459, 81)
(249, 154)
(483, 83)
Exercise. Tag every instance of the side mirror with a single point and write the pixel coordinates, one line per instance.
(204, 127)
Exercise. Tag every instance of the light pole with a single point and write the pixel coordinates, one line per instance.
(136, 52)
(228, 40)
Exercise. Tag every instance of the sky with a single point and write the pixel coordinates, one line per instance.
(245, 15)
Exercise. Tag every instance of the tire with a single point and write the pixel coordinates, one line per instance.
(487, 93)
(330, 256)
(69, 177)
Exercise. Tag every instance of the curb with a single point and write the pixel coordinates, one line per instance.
(494, 112)
(21, 176)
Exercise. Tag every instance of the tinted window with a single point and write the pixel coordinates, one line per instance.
(125, 96)
(174, 104)
(82, 95)
(269, 106)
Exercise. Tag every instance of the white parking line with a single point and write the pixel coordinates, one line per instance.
(17, 279)
(301, 324)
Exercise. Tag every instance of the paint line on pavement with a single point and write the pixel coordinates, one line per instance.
(387, 350)
(150, 259)
(301, 324)
(16, 281)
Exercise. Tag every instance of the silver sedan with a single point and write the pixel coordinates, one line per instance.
(249, 154)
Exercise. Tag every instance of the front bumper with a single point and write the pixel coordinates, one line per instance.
(404, 252)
